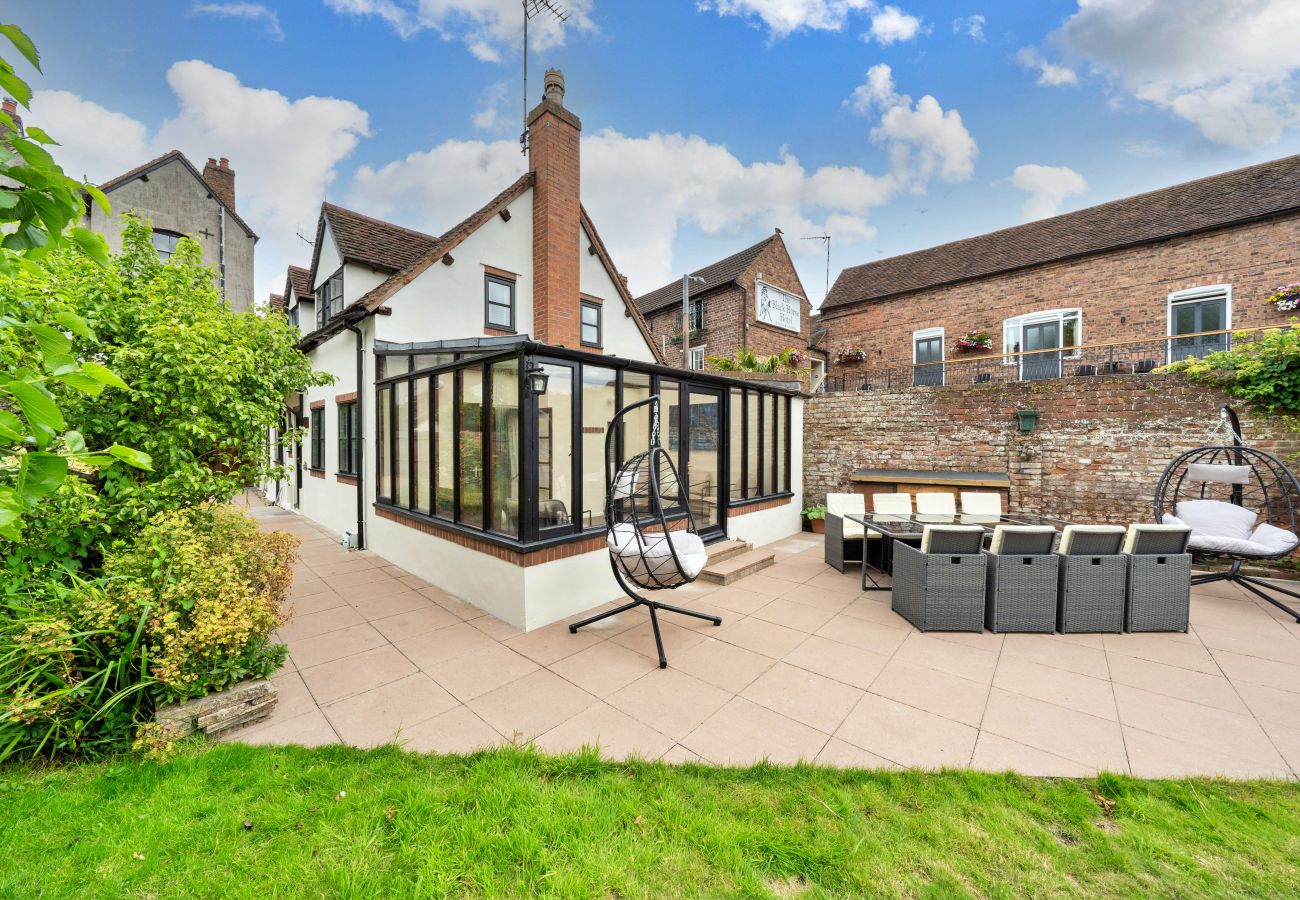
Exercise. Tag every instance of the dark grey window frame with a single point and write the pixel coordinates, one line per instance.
(349, 459)
(328, 296)
(317, 439)
(775, 470)
(585, 305)
(488, 280)
(163, 232)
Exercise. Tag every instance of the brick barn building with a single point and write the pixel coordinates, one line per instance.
(750, 300)
(1167, 273)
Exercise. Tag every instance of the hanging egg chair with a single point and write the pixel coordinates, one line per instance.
(1242, 504)
(649, 527)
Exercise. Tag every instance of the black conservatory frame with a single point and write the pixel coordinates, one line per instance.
(529, 356)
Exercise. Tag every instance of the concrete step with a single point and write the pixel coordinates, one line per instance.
(727, 549)
(737, 567)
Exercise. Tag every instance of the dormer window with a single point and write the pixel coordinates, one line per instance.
(329, 299)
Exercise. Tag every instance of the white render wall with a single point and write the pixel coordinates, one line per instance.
(621, 335)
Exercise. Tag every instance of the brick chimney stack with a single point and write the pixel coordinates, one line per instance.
(553, 134)
(221, 179)
(10, 106)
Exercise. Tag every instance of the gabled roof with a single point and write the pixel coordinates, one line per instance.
(715, 275)
(1220, 200)
(174, 156)
(277, 301)
(370, 241)
(373, 299)
(299, 280)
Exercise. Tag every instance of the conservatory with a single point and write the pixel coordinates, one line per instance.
(494, 447)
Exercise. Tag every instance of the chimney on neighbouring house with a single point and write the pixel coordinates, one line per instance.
(553, 134)
(10, 106)
(221, 179)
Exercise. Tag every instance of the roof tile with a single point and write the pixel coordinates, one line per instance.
(1207, 203)
(715, 275)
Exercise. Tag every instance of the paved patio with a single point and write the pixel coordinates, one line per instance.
(804, 667)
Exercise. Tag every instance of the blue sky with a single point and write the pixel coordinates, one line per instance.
(894, 126)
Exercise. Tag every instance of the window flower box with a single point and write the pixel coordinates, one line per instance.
(852, 355)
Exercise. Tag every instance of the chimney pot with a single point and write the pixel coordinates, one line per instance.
(553, 86)
(221, 180)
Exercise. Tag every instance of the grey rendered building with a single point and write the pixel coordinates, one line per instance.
(178, 200)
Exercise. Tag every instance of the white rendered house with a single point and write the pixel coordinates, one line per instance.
(441, 449)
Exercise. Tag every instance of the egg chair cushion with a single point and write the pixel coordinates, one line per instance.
(1266, 540)
(649, 555)
(1216, 518)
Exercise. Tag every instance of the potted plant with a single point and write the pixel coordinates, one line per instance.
(815, 517)
(851, 355)
(1287, 297)
(973, 342)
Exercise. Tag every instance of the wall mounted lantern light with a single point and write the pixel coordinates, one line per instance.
(537, 379)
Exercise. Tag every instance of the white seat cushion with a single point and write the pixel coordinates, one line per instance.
(1279, 539)
(1068, 535)
(1215, 518)
(1218, 473)
(646, 553)
(1136, 530)
(933, 503)
(894, 504)
(846, 504)
(981, 503)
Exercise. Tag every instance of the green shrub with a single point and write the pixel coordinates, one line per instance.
(67, 687)
(1264, 371)
(212, 585)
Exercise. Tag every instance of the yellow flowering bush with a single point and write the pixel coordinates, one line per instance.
(211, 586)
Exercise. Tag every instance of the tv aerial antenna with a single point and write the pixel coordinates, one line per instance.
(825, 239)
(532, 10)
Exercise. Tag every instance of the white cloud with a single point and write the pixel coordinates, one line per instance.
(1047, 186)
(891, 25)
(971, 26)
(1227, 66)
(95, 143)
(254, 12)
(923, 139)
(488, 28)
(1145, 148)
(285, 152)
(784, 17)
(877, 92)
(643, 191)
(491, 115)
(639, 190)
(1049, 74)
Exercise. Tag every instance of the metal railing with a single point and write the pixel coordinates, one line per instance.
(1135, 357)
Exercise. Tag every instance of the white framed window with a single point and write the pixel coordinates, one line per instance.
(1062, 328)
(927, 357)
(695, 358)
(1192, 313)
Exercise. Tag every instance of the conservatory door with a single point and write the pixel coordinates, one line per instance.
(702, 460)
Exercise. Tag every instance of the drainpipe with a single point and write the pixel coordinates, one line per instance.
(361, 424)
(744, 316)
(221, 249)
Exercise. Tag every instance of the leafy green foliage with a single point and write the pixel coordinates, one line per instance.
(815, 512)
(211, 586)
(206, 383)
(788, 360)
(67, 687)
(1262, 368)
(39, 206)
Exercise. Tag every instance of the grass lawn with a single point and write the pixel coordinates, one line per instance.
(276, 822)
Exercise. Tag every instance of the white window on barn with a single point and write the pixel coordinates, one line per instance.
(695, 359)
(1199, 320)
(1068, 331)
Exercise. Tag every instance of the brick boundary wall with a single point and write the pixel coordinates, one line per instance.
(1095, 456)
